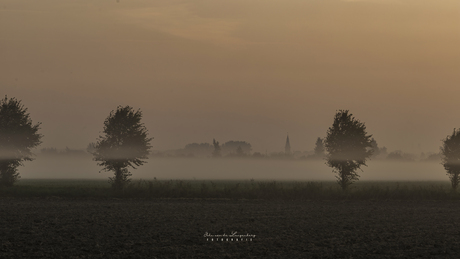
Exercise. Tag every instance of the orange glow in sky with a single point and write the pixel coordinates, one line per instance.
(236, 70)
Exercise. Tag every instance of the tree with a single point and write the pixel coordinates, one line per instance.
(375, 147)
(348, 147)
(18, 135)
(450, 152)
(240, 152)
(216, 152)
(231, 146)
(124, 144)
(319, 148)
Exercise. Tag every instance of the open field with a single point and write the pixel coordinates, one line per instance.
(169, 218)
(234, 189)
(175, 228)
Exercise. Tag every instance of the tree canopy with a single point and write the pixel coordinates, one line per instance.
(230, 147)
(348, 147)
(450, 152)
(125, 143)
(18, 135)
(319, 148)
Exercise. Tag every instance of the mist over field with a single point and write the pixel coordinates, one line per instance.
(233, 169)
(320, 128)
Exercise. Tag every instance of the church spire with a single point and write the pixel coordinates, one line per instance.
(287, 148)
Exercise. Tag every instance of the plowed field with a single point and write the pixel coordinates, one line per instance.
(175, 228)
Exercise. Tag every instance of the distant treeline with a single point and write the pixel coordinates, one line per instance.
(230, 150)
(242, 149)
(66, 152)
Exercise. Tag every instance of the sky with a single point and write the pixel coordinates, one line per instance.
(247, 70)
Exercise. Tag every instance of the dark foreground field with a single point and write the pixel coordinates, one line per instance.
(175, 228)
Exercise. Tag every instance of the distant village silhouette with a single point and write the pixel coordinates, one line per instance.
(243, 149)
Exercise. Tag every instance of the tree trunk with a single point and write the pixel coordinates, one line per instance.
(343, 181)
(118, 183)
(455, 179)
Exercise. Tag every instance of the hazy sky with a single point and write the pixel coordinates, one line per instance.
(248, 70)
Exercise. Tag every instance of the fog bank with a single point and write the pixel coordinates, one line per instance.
(201, 169)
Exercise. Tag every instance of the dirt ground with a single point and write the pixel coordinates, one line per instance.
(175, 228)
